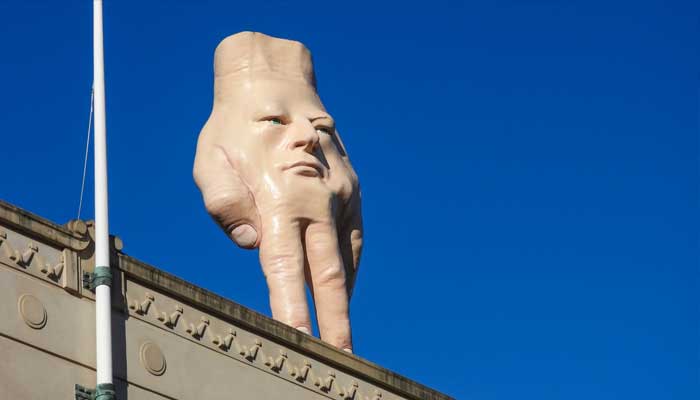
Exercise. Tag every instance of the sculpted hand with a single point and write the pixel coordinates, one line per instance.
(274, 174)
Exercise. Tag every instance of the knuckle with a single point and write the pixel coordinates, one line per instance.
(332, 276)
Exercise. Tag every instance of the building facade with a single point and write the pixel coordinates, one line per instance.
(171, 339)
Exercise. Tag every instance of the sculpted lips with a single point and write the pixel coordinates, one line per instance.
(306, 168)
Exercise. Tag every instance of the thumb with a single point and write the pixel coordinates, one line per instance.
(226, 197)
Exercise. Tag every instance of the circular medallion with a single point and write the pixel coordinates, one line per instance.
(152, 358)
(32, 311)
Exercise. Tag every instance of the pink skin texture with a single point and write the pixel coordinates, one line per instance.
(275, 175)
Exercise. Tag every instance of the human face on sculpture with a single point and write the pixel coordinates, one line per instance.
(282, 140)
(275, 175)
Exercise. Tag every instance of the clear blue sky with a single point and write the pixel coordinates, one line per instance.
(529, 172)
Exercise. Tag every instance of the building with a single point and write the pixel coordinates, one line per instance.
(171, 339)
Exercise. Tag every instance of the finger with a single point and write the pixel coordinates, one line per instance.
(282, 259)
(226, 197)
(328, 282)
(351, 246)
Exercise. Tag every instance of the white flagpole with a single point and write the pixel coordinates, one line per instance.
(102, 276)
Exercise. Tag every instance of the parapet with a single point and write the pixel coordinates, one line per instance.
(171, 339)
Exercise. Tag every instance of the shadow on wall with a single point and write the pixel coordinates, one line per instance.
(119, 348)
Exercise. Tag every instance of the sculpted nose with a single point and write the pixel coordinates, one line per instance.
(304, 136)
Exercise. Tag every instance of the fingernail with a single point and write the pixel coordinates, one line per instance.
(244, 235)
(347, 350)
(304, 329)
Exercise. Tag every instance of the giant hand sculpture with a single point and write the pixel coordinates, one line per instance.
(275, 175)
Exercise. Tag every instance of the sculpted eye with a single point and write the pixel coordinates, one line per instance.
(324, 129)
(275, 121)
(323, 124)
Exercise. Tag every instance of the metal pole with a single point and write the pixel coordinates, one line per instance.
(103, 308)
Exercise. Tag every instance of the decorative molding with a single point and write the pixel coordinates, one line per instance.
(53, 272)
(7, 250)
(325, 384)
(24, 258)
(32, 311)
(225, 342)
(198, 331)
(300, 373)
(152, 358)
(276, 364)
(249, 353)
(170, 320)
(39, 259)
(161, 310)
(143, 306)
(51, 265)
(350, 392)
(377, 395)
